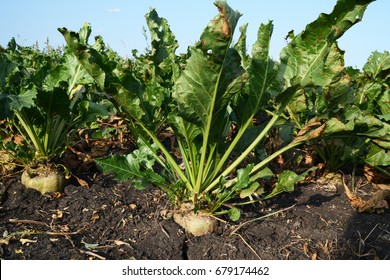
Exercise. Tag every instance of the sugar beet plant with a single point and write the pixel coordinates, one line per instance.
(45, 96)
(351, 115)
(201, 95)
(372, 89)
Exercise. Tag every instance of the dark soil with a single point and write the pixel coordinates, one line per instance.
(110, 220)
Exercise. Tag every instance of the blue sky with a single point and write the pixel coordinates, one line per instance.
(120, 22)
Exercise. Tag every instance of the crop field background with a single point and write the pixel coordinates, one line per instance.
(233, 145)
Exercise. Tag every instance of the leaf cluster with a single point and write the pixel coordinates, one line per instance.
(45, 95)
(211, 99)
(353, 113)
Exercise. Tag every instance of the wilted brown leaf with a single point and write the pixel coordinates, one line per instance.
(311, 130)
(377, 203)
(382, 186)
(374, 175)
(82, 182)
(100, 148)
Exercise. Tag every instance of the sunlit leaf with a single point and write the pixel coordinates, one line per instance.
(234, 214)
(303, 60)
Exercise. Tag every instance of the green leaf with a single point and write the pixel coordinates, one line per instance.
(243, 177)
(130, 167)
(287, 180)
(378, 156)
(6, 68)
(264, 173)
(234, 214)
(335, 97)
(360, 124)
(384, 104)
(127, 97)
(185, 129)
(88, 57)
(69, 71)
(90, 111)
(378, 65)
(10, 102)
(261, 72)
(352, 123)
(303, 60)
(137, 166)
(163, 42)
(193, 94)
(250, 190)
(368, 94)
(240, 46)
(198, 91)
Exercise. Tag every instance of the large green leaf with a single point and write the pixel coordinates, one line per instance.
(199, 91)
(384, 104)
(163, 43)
(352, 123)
(303, 60)
(260, 74)
(11, 102)
(88, 57)
(137, 166)
(70, 71)
(90, 111)
(373, 86)
(378, 156)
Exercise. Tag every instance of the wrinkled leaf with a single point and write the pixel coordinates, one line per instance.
(90, 111)
(70, 71)
(88, 57)
(137, 166)
(198, 91)
(163, 43)
(303, 60)
(261, 72)
(378, 65)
